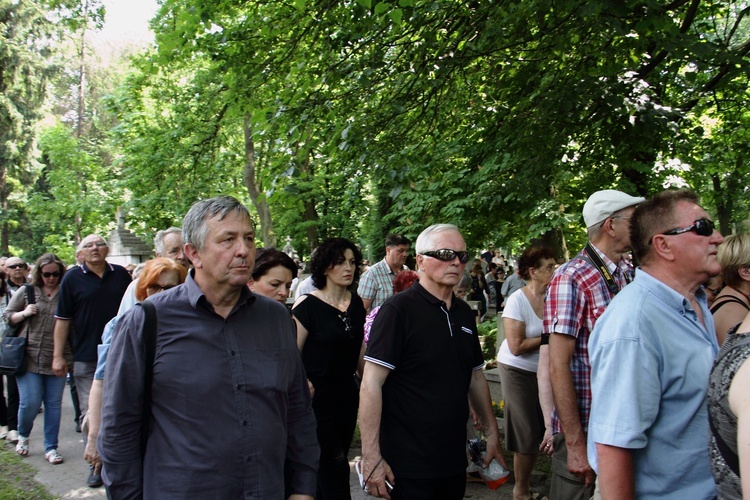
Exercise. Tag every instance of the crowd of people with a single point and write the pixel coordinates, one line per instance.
(632, 379)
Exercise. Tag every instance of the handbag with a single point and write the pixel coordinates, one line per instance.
(13, 346)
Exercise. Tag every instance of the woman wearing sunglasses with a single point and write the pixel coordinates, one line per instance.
(330, 332)
(38, 383)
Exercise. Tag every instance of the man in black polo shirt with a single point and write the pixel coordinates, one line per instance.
(90, 295)
(422, 360)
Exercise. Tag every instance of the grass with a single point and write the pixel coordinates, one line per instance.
(17, 478)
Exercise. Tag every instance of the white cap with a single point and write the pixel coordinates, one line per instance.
(603, 204)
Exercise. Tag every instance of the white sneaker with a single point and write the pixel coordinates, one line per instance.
(12, 436)
(3, 431)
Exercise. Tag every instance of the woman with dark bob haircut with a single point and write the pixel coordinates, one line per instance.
(273, 274)
(330, 332)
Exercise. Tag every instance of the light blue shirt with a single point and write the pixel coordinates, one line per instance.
(128, 301)
(650, 361)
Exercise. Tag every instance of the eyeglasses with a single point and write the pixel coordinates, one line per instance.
(347, 323)
(156, 288)
(98, 244)
(16, 266)
(55, 274)
(703, 227)
(447, 255)
(715, 291)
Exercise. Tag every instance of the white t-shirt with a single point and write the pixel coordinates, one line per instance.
(518, 307)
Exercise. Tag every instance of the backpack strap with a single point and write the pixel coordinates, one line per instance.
(149, 346)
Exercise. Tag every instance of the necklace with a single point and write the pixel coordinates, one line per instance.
(341, 305)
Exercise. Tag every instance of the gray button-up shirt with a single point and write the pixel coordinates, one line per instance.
(230, 404)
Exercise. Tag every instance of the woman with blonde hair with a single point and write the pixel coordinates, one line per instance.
(733, 302)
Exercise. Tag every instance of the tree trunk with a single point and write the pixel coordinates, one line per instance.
(259, 201)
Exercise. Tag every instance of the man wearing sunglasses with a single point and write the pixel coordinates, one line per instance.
(578, 294)
(422, 360)
(17, 270)
(651, 355)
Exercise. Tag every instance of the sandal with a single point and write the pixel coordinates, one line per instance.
(53, 457)
(22, 448)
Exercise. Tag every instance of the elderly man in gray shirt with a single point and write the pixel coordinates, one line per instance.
(230, 407)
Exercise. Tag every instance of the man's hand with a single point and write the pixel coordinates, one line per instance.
(376, 479)
(578, 462)
(59, 366)
(91, 454)
(494, 450)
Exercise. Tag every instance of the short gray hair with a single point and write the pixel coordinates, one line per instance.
(159, 239)
(80, 245)
(194, 227)
(424, 240)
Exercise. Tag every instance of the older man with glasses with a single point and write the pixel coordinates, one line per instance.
(17, 270)
(651, 355)
(90, 295)
(413, 416)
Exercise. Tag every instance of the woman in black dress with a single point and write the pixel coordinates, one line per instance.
(330, 331)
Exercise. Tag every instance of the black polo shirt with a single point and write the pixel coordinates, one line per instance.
(90, 302)
(432, 353)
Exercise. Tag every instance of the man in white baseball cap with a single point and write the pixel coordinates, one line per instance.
(579, 292)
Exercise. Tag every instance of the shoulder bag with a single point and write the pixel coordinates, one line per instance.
(13, 346)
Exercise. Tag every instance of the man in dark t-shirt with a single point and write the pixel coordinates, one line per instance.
(422, 360)
(90, 295)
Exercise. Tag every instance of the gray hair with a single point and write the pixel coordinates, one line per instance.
(159, 238)
(80, 245)
(194, 227)
(424, 240)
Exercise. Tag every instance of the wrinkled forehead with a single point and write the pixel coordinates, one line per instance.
(449, 238)
(92, 238)
(232, 222)
(13, 260)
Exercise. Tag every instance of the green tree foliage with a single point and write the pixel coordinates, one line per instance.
(498, 116)
(26, 39)
(76, 193)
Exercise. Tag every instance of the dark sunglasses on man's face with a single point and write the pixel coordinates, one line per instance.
(16, 266)
(703, 227)
(51, 275)
(447, 255)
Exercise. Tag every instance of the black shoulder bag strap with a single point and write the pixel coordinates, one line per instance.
(149, 346)
(590, 255)
(727, 299)
(30, 299)
(730, 457)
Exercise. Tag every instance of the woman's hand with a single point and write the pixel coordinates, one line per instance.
(30, 310)
(546, 445)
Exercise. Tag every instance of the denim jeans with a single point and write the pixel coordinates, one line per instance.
(33, 389)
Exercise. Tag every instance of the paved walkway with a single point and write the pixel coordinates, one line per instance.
(68, 480)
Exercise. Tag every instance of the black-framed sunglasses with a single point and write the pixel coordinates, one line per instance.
(160, 288)
(55, 274)
(703, 227)
(16, 266)
(447, 255)
(347, 323)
